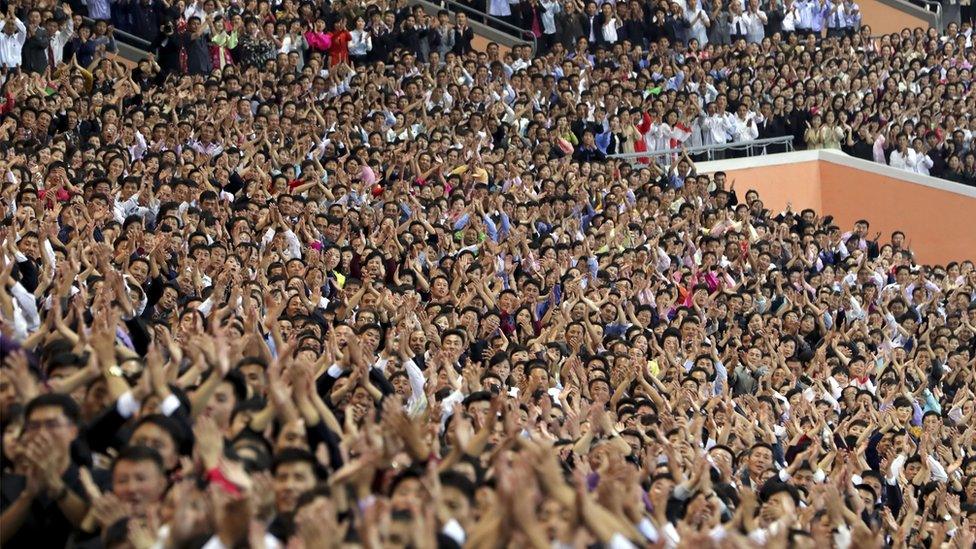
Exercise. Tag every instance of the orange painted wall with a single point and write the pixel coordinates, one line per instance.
(884, 19)
(797, 184)
(939, 224)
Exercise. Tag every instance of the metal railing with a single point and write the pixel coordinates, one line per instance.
(935, 7)
(131, 46)
(476, 16)
(755, 147)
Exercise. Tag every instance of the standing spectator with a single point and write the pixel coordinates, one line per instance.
(382, 37)
(12, 40)
(923, 162)
(166, 46)
(775, 13)
(502, 9)
(194, 42)
(743, 129)
(147, 18)
(255, 49)
(411, 35)
(591, 25)
(935, 150)
(294, 42)
(697, 23)
(530, 17)
(837, 19)
(769, 125)
(632, 25)
(756, 23)
(814, 134)
(740, 24)
(442, 33)
(853, 12)
(35, 52)
(463, 35)
(222, 43)
(317, 38)
(571, 24)
(790, 19)
(818, 15)
(608, 24)
(804, 16)
(831, 132)
(104, 37)
(719, 32)
(100, 10)
(551, 9)
(903, 157)
(360, 42)
(61, 34)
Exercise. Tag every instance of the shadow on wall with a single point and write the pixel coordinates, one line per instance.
(936, 215)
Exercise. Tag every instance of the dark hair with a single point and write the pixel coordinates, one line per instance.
(775, 486)
(67, 404)
(296, 455)
(139, 454)
(456, 480)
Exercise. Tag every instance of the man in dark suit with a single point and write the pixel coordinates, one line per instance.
(463, 35)
(771, 125)
(34, 56)
(591, 26)
(936, 153)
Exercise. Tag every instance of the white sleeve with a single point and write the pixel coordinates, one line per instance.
(891, 475)
(294, 245)
(27, 305)
(127, 405)
(938, 471)
(455, 531)
(48, 250)
(268, 236)
(416, 378)
(620, 542)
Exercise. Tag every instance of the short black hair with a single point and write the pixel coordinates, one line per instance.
(67, 404)
(138, 454)
(296, 455)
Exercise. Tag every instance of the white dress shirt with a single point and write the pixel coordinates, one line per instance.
(12, 44)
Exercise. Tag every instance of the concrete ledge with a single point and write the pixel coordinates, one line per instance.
(839, 158)
(487, 32)
(936, 215)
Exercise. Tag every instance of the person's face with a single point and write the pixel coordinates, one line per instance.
(256, 377)
(220, 407)
(152, 436)
(457, 504)
(51, 419)
(291, 480)
(600, 391)
(556, 519)
(453, 345)
(406, 492)
(760, 460)
(140, 484)
(780, 505)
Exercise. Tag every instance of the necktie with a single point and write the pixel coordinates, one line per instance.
(50, 56)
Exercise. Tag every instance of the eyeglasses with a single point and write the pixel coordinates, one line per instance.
(44, 425)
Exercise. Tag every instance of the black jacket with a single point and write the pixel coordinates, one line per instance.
(34, 54)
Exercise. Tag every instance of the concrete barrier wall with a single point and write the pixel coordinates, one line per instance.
(886, 17)
(937, 216)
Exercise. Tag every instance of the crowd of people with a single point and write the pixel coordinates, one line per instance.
(324, 275)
